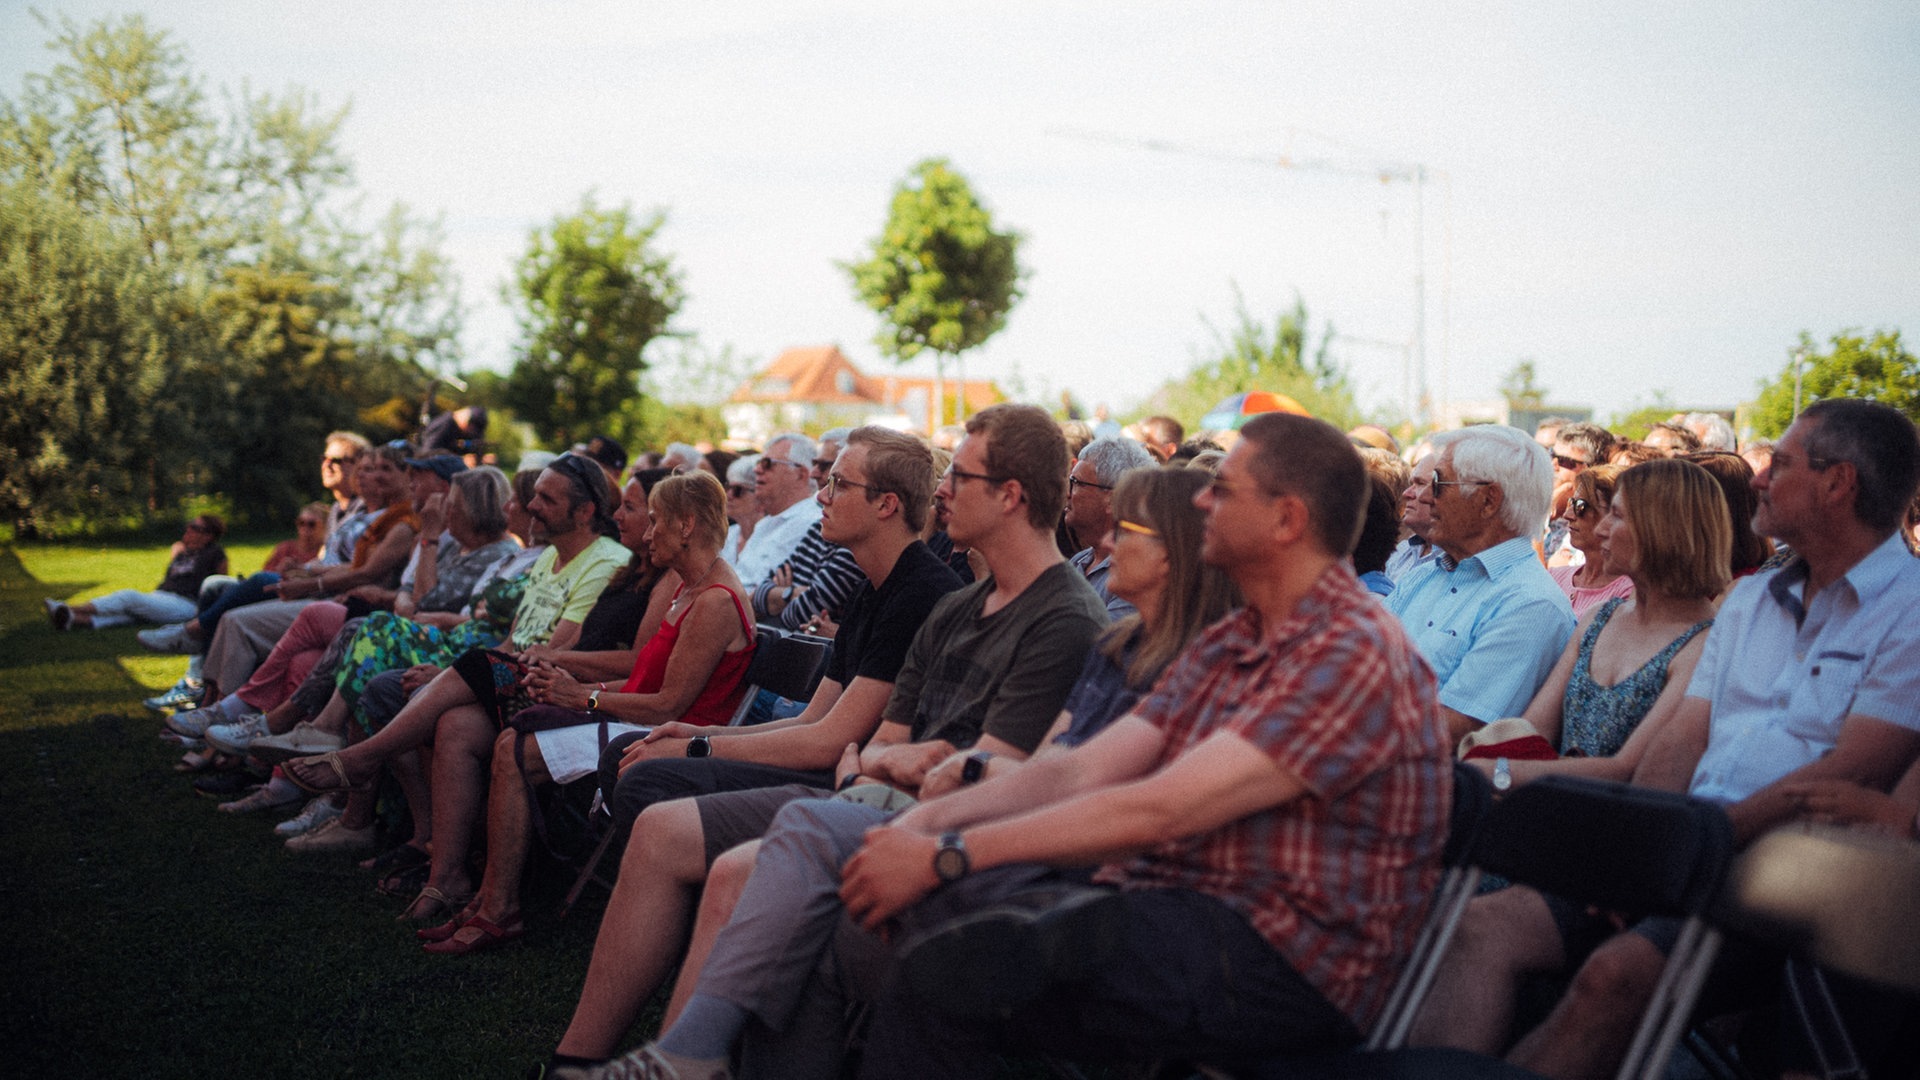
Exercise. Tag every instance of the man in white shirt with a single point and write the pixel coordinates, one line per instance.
(784, 491)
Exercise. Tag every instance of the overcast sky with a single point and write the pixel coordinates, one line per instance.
(1640, 196)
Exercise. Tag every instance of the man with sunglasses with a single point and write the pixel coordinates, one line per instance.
(1090, 510)
(1577, 447)
(1485, 613)
(821, 576)
(783, 489)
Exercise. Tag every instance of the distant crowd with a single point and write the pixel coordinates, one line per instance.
(1112, 745)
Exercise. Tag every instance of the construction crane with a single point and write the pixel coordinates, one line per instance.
(1419, 406)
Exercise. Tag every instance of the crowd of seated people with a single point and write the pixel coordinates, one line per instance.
(1193, 702)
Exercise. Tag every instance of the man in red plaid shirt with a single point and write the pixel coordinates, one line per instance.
(1269, 821)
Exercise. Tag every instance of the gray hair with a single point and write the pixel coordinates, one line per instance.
(795, 441)
(1497, 454)
(741, 471)
(682, 455)
(1114, 455)
(1712, 428)
(1594, 439)
(835, 437)
(484, 490)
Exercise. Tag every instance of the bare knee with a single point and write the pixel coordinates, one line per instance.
(667, 839)
(1616, 982)
(727, 877)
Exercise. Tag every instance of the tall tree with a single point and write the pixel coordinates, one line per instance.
(596, 292)
(1876, 367)
(939, 274)
(1521, 387)
(1253, 355)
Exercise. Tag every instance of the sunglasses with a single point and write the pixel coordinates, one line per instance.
(1580, 506)
(1123, 525)
(740, 491)
(1566, 462)
(337, 462)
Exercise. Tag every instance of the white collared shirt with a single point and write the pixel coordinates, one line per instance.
(774, 540)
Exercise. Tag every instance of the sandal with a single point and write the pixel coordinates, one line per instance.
(406, 882)
(323, 784)
(478, 935)
(432, 904)
(398, 857)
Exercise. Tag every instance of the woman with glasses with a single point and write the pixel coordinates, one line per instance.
(310, 536)
(1592, 582)
(196, 556)
(742, 511)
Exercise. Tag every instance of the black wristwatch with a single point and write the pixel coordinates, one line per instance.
(975, 766)
(950, 860)
(699, 746)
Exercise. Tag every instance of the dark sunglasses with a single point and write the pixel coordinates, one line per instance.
(1580, 506)
(1566, 462)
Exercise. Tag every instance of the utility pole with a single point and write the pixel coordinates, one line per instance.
(1419, 403)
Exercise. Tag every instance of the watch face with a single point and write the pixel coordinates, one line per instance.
(950, 863)
(699, 746)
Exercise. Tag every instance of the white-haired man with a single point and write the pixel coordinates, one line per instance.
(1089, 513)
(1485, 614)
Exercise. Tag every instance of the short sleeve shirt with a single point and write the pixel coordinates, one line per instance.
(1004, 674)
(881, 623)
(1492, 626)
(1783, 679)
(1096, 575)
(1337, 880)
(567, 594)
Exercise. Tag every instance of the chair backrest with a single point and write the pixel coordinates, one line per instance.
(1626, 848)
(1845, 899)
(786, 664)
(1472, 800)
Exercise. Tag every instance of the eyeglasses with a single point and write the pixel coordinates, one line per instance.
(835, 482)
(1580, 506)
(337, 462)
(740, 491)
(1816, 463)
(1222, 487)
(1439, 483)
(1570, 463)
(957, 474)
(823, 463)
(766, 463)
(1074, 482)
(1123, 525)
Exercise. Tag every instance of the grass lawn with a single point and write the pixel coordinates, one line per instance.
(153, 937)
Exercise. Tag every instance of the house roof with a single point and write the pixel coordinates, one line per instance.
(822, 375)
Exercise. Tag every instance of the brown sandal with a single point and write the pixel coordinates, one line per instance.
(432, 904)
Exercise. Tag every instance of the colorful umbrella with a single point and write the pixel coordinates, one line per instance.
(1230, 414)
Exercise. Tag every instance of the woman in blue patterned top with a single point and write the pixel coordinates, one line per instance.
(1629, 662)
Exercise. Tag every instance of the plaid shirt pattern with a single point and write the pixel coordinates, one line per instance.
(1337, 880)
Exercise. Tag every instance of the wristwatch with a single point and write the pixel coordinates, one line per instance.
(975, 766)
(950, 860)
(699, 746)
(593, 700)
(1502, 774)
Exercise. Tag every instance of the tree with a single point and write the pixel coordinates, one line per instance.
(1521, 387)
(222, 260)
(1878, 368)
(595, 293)
(938, 274)
(1250, 355)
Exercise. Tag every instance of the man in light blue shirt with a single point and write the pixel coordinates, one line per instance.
(1811, 671)
(1485, 614)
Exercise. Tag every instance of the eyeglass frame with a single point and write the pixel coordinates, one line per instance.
(1075, 482)
(1123, 525)
(957, 474)
(1571, 464)
(835, 481)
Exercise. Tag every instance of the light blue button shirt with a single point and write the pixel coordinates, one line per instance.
(1096, 576)
(1491, 626)
(1781, 686)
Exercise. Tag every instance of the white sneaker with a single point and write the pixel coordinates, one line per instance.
(302, 741)
(194, 723)
(319, 811)
(234, 738)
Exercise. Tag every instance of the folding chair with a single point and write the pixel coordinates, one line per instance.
(1607, 844)
(784, 663)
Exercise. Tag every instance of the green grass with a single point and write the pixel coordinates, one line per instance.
(152, 937)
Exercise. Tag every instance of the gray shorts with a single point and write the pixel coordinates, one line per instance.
(731, 818)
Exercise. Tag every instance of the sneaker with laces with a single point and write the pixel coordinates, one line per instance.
(318, 812)
(647, 1063)
(302, 741)
(167, 639)
(184, 695)
(234, 738)
(59, 614)
(262, 798)
(333, 836)
(194, 723)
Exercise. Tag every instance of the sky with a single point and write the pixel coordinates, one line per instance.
(1644, 198)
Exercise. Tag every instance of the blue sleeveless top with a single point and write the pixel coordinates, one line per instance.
(1595, 719)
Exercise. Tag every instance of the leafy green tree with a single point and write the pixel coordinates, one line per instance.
(939, 274)
(235, 231)
(84, 334)
(1521, 387)
(1878, 368)
(1251, 355)
(595, 293)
